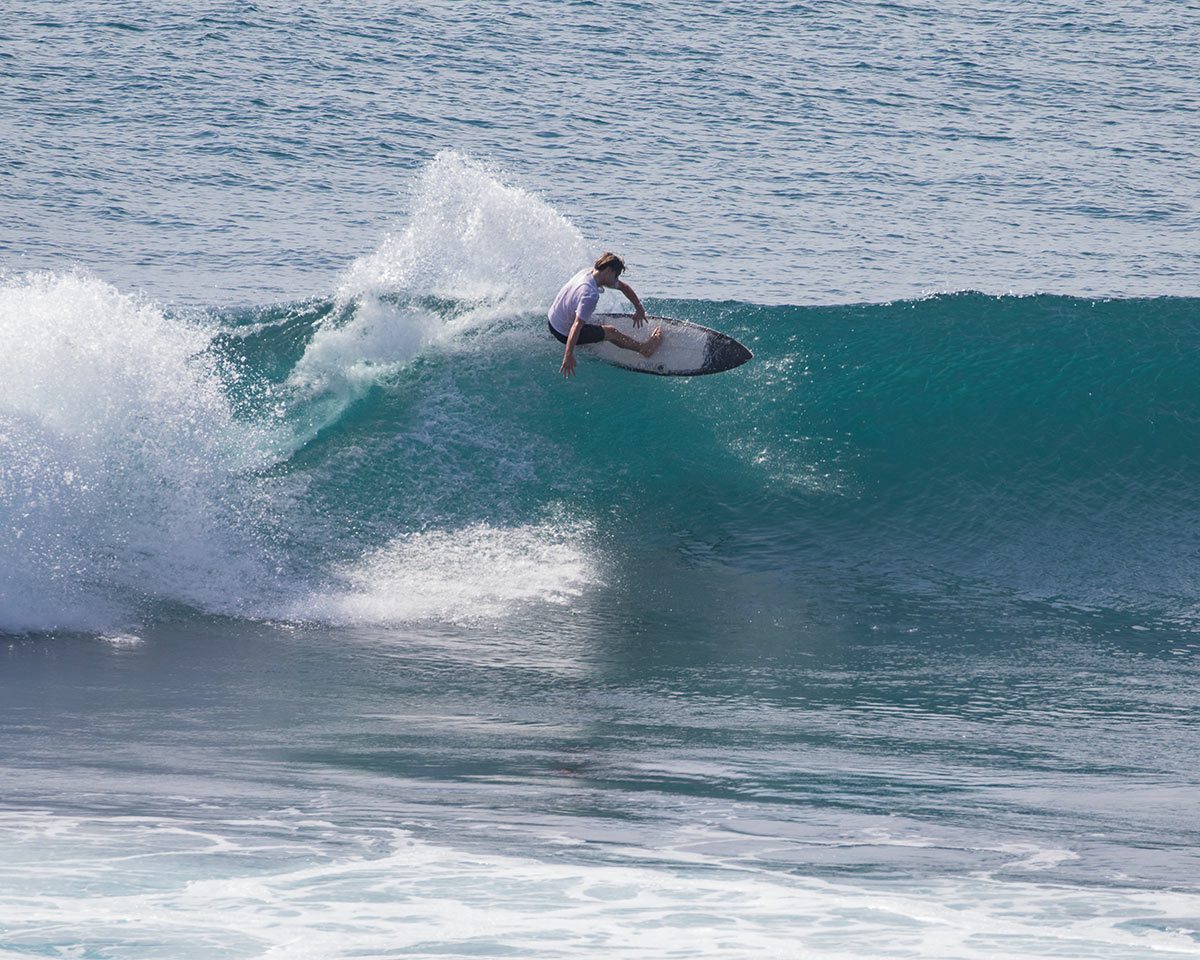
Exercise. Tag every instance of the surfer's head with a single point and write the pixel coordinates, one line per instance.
(608, 269)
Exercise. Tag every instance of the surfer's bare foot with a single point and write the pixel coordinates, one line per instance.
(652, 343)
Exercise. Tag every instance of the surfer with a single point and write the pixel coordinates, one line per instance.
(575, 303)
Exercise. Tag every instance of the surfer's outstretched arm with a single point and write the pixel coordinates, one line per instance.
(639, 312)
(568, 365)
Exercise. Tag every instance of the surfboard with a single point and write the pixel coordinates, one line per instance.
(687, 349)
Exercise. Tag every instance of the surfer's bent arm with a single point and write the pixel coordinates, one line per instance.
(639, 312)
(568, 364)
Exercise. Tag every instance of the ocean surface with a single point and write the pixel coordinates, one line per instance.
(334, 623)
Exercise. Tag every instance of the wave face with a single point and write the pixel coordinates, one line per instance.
(405, 449)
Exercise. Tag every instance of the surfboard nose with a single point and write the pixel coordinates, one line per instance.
(725, 353)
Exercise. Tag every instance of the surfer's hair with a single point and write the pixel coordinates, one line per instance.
(611, 260)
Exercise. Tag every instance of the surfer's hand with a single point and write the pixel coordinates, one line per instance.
(639, 317)
(568, 365)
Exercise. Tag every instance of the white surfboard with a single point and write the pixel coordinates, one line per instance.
(687, 349)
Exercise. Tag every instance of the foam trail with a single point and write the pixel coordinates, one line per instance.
(489, 248)
(486, 250)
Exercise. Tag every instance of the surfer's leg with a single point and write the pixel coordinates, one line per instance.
(626, 342)
(653, 342)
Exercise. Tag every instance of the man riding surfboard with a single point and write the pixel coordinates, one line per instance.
(576, 302)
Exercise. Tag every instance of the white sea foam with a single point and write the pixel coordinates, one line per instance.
(472, 254)
(376, 341)
(471, 236)
(298, 887)
(123, 641)
(492, 250)
(455, 576)
(118, 458)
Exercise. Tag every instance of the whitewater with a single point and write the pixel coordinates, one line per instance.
(335, 623)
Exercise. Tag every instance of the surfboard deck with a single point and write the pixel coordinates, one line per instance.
(687, 350)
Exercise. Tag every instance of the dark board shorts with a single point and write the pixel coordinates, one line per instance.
(591, 333)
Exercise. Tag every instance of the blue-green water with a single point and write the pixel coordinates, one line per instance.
(337, 624)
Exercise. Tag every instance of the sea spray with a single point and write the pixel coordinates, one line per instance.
(456, 576)
(473, 254)
(471, 236)
(121, 465)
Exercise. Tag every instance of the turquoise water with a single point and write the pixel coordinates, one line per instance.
(337, 624)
